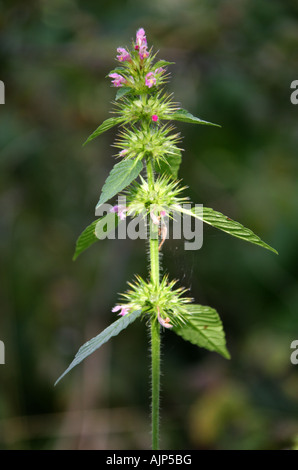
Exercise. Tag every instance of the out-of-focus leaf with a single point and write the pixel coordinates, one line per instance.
(93, 344)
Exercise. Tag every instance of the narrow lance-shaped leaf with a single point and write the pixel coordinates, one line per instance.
(88, 348)
(204, 328)
(224, 223)
(162, 63)
(105, 126)
(185, 116)
(121, 175)
(89, 236)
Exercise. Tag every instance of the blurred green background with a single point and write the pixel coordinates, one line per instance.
(234, 63)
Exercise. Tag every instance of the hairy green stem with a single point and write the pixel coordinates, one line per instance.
(155, 326)
(155, 379)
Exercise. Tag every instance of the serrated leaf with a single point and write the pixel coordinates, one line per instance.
(171, 166)
(124, 90)
(185, 116)
(121, 175)
(204, 328)
(105, 126)
(224, 223)
(95, 343)
(88, 236)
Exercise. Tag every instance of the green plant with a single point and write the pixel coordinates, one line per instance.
(148, 144)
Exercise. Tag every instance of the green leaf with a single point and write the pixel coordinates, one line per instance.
(119, 70)
(96, 342)
(162, 63)
(171, 166)
(124, 90)
(204, 328)
(88, 236)
(224, 223)
(105, 126)
(185, 116)
(121, 175)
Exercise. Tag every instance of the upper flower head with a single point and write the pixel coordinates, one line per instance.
(150, 79)
(118, 80)
(141, 39)
(141, 44)
(154, 117)
(123, 54)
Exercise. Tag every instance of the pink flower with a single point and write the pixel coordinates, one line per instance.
(159, 70)
(154, 118)
(120, 210)
(123, 54)
(124, 309)
(154, 218)
(164, 322)
(123, 153)
(117, 79)
(141, 44)
(143, 53)
(141, 40)
(150, 79)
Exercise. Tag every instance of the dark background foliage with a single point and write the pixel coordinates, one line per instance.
(234, 63)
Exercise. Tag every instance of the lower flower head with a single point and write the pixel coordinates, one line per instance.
(162, 302)
(154, 118)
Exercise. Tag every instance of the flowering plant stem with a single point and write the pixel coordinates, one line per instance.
(155, 326)
(144, 110)
(155, 382)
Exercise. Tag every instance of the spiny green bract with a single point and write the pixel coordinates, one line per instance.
(160, 302)
(141, 198)
(132, 109)
(139, 142)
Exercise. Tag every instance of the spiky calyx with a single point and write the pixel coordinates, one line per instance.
(158, 302)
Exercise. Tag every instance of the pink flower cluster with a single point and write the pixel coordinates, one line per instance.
(141, 44)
